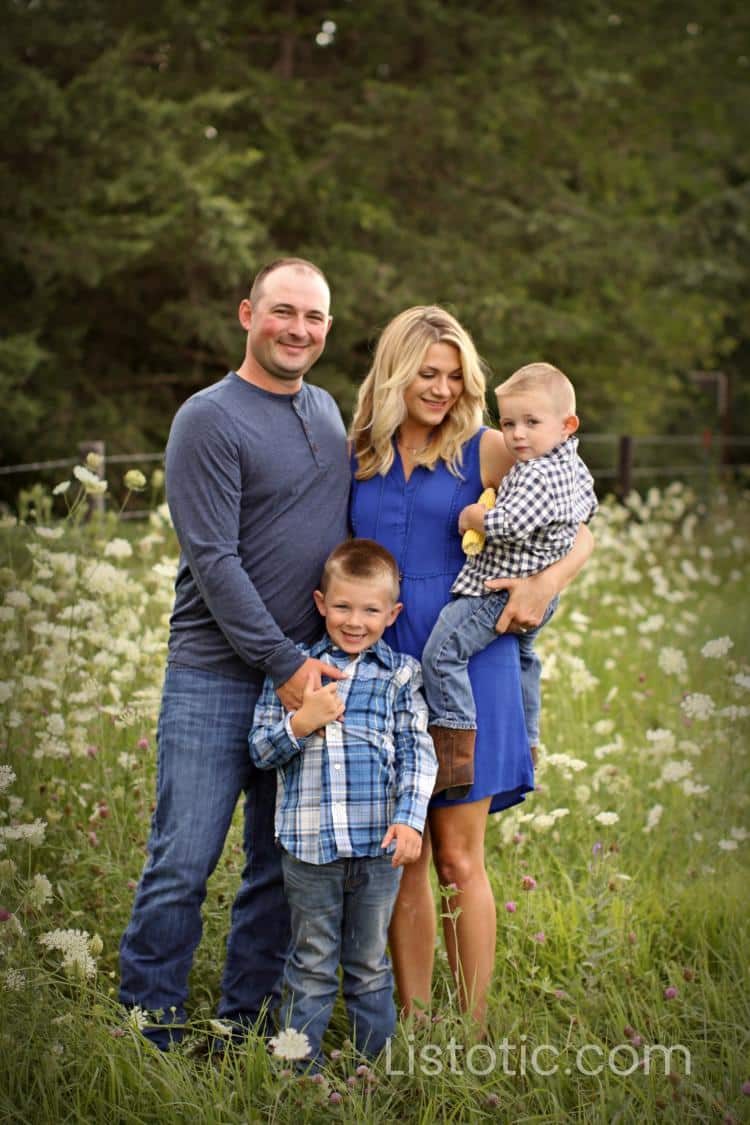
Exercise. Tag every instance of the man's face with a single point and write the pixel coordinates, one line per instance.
(288, 324)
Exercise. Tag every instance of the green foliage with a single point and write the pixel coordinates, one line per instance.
(571, 179)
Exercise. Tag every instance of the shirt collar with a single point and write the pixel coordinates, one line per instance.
(380, 651)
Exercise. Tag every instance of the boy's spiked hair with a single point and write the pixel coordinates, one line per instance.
(363, 560)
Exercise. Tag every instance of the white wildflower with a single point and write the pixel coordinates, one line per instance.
(652, 624)
(14, 980)
(50, 532)
(739, 833)
(290, 1044)
(61, 488)
(542, 822)
(18, 598)
(733, 713)
(7, 777)
(698, 706)
(582, 794)
(728, 845)
(691, 789)
(40, 893)
(137, 1018)
(86, 477)
(33, 833)
(653, 818)
(742, 680)
(74, 946)
(663, 740)
(134, 480)
(606, 818)
(714, 650)
(676, 770)
(603, 726)
(672, 661)
(118, 549)
(55, 724)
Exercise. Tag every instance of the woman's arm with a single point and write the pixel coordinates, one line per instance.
(494, 458)
(529, 597)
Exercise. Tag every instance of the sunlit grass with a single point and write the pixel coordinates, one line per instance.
(621, 884)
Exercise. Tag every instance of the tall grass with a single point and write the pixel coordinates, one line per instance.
(620, 991)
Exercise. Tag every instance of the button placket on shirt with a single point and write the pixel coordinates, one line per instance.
(307, 430)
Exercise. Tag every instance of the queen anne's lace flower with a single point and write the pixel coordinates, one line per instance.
(290, 1044)
(75, 948)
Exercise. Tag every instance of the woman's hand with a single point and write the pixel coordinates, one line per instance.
(528, 598)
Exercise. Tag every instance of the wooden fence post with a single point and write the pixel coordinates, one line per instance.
(94, 503)
(624, 466)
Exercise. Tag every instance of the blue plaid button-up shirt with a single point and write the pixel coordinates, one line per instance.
(539, 507)
(340, 791)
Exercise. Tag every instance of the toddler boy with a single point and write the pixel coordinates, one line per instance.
(356, 769)
(540, 505)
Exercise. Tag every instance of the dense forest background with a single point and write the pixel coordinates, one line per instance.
(571, 178)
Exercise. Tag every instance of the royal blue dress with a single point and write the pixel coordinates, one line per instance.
(417, 521)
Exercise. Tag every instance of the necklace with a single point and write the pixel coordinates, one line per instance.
(415, 449)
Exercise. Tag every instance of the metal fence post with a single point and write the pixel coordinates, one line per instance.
(624, 466)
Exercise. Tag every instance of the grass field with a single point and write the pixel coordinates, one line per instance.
(621, 990)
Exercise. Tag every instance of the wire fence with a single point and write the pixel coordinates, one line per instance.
(619, 462)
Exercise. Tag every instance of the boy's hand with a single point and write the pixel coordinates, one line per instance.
(320, 705)
(292, 690)
(472, 517)
(408, 844)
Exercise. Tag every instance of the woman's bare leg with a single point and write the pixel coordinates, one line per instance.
(458, 848)
(412, 933)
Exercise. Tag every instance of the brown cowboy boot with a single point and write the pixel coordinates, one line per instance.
(455, 755)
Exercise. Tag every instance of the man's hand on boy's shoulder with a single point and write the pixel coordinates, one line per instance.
(408, 844)
(320, 705)
(291, 692)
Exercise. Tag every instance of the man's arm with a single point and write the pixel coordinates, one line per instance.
(529, 597)
(204, 493)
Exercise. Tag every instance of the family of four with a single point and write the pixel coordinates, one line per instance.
(294, 674)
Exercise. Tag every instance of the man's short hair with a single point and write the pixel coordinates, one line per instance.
(302, 264)
(362, 560)
(534, 377)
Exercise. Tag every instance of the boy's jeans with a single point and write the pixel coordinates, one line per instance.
(340, 915)
(466, 626)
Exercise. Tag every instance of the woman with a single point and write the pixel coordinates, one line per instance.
(420, 455)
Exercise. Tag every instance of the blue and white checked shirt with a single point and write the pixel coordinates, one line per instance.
(539, 507)
(339, 792)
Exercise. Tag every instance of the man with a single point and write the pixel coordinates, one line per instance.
(257, 483)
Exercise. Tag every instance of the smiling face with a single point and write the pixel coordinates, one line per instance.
(286, 325)
(438, 384)
(357, 611)
(532, 425)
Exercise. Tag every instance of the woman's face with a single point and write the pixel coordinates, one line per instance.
(438, 384)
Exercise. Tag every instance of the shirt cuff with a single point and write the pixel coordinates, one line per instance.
(285, 661)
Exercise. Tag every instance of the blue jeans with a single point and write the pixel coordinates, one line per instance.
(203, 767)
(340, 915)
(466, 626)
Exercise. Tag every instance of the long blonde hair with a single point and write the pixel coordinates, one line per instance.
(380, 403)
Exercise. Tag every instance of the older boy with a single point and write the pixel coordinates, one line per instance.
(540, 505)
(356, 769)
